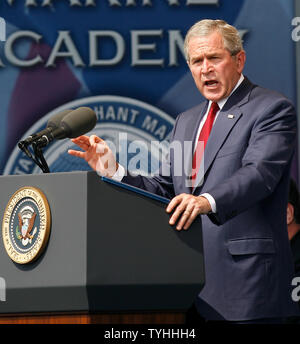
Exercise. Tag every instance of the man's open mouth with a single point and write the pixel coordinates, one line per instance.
(211, 83)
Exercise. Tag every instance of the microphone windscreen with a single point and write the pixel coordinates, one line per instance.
(79, 122)
(54, 121)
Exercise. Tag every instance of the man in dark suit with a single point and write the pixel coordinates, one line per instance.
(240, 183)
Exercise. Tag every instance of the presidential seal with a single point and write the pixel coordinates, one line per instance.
(26, 225)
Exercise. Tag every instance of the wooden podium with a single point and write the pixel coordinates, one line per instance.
(111, 257)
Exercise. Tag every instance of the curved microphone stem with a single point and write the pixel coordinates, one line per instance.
(38, 157)
(23, 146)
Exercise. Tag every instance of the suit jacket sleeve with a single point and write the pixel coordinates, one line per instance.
(161, 183)
(267, 157)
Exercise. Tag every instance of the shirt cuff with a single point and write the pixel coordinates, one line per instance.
(120, 173)
(211, 201)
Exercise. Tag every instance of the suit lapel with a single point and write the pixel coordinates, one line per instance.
(227, 119)
(218, 135)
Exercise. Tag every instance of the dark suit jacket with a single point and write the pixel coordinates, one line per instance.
(246, 169)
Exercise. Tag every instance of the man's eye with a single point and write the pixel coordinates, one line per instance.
(198, 61)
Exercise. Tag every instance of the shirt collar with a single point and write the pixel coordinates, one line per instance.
(222, 102)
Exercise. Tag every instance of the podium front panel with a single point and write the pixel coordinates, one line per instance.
(110, 249)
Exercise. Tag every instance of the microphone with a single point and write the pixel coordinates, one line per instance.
(74, 124)
(53, 123)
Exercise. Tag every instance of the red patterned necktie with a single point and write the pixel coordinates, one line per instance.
(203, 137)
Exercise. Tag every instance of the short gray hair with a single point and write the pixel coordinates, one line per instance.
(231, 38)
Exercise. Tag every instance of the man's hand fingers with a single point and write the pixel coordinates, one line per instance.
(174, 202)
(191, 219)
(95, 139)
(183, 219)
(81, 139)
(101, 148)
(178, 211)
(76, 153)
(82, 142)
(186, 208)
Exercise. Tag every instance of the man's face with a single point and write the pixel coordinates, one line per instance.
(214, 70)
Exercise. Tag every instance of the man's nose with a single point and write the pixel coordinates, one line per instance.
(207, 66)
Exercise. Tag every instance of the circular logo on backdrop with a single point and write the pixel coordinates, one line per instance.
(26, 225)
(137, 132)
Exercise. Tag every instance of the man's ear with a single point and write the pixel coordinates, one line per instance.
(188, 63)
(289, 214)
(240, 60)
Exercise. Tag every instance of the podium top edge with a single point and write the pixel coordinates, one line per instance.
(45, 174)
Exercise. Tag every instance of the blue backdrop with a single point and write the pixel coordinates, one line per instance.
(122, 56)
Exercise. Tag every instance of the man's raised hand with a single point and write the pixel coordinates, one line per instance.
(96, 153)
